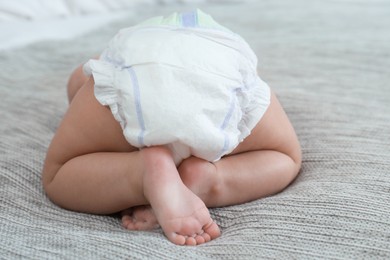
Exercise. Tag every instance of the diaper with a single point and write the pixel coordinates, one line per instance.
(183, 81)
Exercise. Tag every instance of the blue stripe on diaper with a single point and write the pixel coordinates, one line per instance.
(230, 111)
(189, 19)
(226, 120)
(138, 108)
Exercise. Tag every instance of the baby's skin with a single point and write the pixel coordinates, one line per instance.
(144, 218)
(90, 167)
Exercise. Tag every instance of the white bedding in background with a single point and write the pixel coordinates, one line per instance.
(20, 33)
(26, 21)
(11, 10)
(327, 61)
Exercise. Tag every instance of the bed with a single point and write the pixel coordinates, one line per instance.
(328, 62)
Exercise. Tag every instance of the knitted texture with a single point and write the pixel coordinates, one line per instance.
(328, 63)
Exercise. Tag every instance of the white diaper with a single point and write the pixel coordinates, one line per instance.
(183, 81)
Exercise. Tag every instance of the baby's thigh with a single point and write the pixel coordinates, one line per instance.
(273, 132)
(87, 127)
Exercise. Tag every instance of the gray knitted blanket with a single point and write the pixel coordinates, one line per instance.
(328, 61)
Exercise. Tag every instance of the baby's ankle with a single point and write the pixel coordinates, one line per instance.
(201, 177)
(157, 156)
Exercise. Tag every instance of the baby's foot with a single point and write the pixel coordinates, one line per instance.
(202, 178)
(182, 215)
(139, 218)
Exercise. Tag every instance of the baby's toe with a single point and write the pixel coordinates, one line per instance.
(212, 230)
(176, 238)
(199, 239)
(206, 237)
(190, 241)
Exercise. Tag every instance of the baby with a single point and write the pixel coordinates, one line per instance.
(170, 119)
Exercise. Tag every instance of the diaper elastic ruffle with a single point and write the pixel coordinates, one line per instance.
(182, 81)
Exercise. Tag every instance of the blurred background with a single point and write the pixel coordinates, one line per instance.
(27, 21)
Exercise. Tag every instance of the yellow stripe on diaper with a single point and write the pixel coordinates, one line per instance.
(195, 18)
(172, 20)
(206, 21)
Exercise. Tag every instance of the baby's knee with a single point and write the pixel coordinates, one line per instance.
(193, 165)
(292, 150)
(296, 156)
(292, 166)
(49, 171)
(48, 187)
(193, 168)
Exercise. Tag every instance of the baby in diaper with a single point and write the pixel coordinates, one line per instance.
(154, 75)
(170, 120)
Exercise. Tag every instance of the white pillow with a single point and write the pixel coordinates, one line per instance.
(16, 10)
(11, 10)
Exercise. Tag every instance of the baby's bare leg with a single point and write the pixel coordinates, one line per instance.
(264, 164)
(183, 216)
(76, 81)
(88, 156)
(90, 167)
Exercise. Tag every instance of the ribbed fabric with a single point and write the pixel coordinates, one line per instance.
(328, 63)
